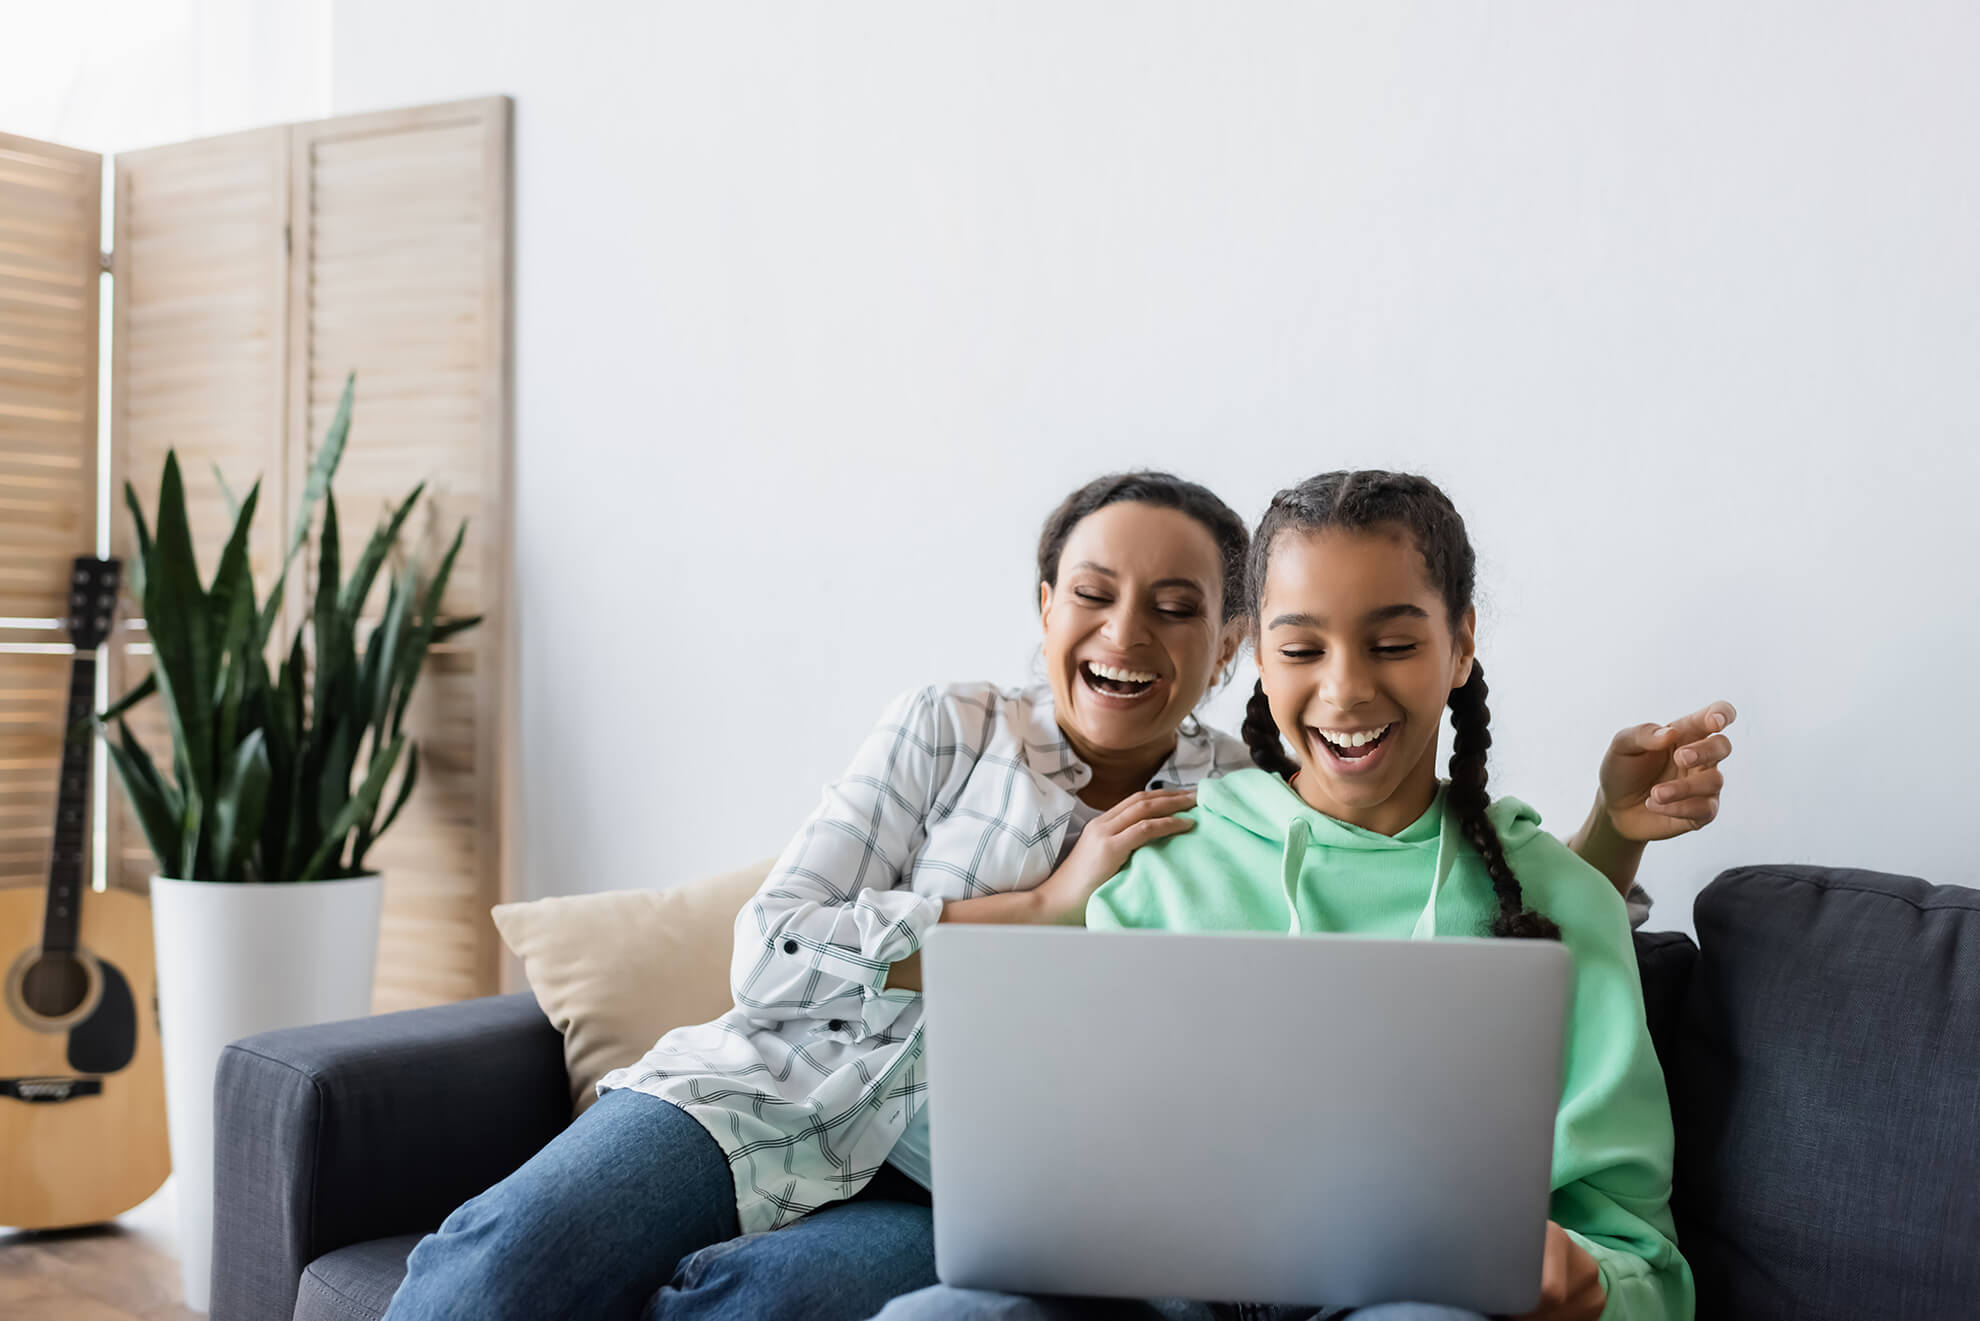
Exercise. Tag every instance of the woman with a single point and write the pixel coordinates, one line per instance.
(967, 803)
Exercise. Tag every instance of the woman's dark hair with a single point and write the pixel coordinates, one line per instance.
(1164, 491)
(1357, 501)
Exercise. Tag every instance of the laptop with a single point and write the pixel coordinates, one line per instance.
(1243, 1118)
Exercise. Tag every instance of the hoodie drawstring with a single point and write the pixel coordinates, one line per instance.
(1297, 835)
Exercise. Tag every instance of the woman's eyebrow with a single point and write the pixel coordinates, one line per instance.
(1380, 615)
(1163, 582)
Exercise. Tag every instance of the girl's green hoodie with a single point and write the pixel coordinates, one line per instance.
(1260, 859)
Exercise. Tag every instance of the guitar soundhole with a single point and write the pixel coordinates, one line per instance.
(55, 985)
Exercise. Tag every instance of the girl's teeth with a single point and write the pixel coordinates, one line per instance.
(1358, 740)
(1119, 676)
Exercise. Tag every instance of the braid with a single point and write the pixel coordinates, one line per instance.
(1471, 723)
(1261, 735)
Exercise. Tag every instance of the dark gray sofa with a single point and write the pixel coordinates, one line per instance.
(1821, 1043)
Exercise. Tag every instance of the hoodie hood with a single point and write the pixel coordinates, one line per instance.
(1266, 806)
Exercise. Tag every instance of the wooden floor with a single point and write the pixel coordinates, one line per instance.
(122, 1271)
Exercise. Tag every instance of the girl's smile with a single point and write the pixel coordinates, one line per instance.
(1353, 752)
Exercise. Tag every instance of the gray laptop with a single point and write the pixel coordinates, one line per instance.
(1256, 1118)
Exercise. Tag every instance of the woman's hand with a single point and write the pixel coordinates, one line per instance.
(1570, 1282)
(1658, 782)
(1100, 851)
(1104, 846)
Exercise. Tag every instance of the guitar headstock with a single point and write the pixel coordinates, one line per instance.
(92, 600)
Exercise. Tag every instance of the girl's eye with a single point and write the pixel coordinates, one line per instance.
(1090, 598)
(1400, 649)
(1299, 653)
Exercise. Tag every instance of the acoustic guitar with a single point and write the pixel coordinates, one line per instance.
(82, 1085)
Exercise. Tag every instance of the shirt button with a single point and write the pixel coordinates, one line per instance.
(837, 1025)
(790, 947)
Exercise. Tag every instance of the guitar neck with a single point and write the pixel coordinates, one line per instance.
(62, 918)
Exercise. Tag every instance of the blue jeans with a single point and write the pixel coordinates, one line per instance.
(841, 1263)
(943, 1303)
(597, 1224)
(592, 1225)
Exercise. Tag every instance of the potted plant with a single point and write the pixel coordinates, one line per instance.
(264, 909)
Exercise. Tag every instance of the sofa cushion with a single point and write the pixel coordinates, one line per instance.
(354, 1283)
(1825, 1081)
(614, 972)
(1664, 960)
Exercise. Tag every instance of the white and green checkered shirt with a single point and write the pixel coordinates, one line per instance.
(959, 791)
(811, 1079)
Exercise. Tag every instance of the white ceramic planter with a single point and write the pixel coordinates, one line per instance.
(233, 960)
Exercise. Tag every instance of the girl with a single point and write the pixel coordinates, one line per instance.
(1361, 585)
(797, 1110)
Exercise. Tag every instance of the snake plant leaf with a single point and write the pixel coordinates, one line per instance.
(271, 611)
(454, 628)
(134, 573)
(227, 493)
(146, 687)
(232, 617)
(368, 834)
(192, 832)
(175, 612)
(231, 577)
(387, 641)
(383, 538)
(332, 641)
(323, 469)
(414, 656)
(333, 785)
(362, 804)
(236, 667)
(238, 811)
(150, 803)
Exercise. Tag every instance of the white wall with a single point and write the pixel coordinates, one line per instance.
(114, 75)
(822, 308)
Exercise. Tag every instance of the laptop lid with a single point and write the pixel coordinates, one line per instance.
(1321, 1119)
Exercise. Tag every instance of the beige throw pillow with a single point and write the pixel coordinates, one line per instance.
(615, 972)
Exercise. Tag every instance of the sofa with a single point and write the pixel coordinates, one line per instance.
(1820, 1039)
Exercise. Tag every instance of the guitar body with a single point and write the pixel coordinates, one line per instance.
(82, 1092)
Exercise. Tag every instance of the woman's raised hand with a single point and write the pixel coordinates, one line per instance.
(1103, 849)
(1659, 781)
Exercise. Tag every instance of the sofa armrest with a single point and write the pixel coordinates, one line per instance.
(343, 1132)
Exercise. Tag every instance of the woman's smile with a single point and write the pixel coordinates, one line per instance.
(1119, 685)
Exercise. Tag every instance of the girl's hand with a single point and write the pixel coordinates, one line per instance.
(1570, 1282)
(1104, 846)
(1658, 782)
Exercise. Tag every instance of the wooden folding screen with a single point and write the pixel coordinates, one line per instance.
(50, 223)
(251, 274)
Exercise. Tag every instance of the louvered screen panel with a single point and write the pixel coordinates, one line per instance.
(400, 273)
(199, 364)
(50, 233)
(33, 690)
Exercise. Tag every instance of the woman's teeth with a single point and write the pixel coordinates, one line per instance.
(1346, 741)
(1115, 681)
